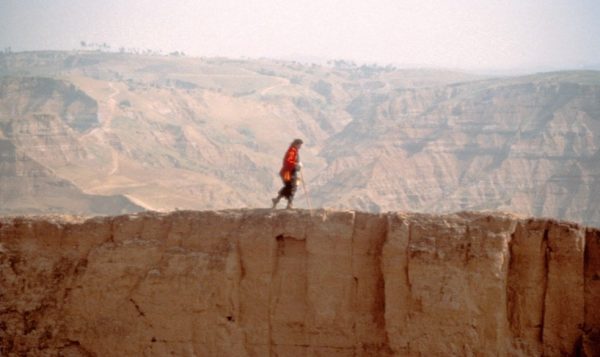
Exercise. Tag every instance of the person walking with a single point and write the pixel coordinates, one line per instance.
(288, 173)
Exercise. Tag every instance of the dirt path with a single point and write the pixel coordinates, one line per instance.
(106, 124)
(282, 82)
(102, 133)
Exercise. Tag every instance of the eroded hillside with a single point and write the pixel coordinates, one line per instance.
(159, 133)
(529, 145)
(289, 282)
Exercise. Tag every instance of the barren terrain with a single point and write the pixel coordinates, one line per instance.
(165, 133)
(296, 283)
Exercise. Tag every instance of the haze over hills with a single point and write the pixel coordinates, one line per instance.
(159, 133)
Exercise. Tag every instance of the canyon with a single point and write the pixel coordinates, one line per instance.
(93, 133)
(257, 282)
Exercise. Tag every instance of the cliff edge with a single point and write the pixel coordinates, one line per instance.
(288, 283)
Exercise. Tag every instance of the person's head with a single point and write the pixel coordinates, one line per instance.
(297, 143)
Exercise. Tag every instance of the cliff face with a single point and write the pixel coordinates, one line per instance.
(287, 283)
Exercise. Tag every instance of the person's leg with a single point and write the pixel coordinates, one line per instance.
(293, 184)
(285, 191)
(275, 201)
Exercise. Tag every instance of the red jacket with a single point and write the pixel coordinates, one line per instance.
(290, 160)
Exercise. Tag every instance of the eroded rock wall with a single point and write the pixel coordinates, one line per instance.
(288, 283)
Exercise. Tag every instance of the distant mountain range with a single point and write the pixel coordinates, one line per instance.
(106, 133)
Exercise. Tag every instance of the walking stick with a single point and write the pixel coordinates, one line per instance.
(305, 190)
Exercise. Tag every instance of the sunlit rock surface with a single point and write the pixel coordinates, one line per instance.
(295, 282)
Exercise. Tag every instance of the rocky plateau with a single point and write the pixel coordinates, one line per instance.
(298, 283)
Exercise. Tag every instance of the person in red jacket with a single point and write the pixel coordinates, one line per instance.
(291, 166)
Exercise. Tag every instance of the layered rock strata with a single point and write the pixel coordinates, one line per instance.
(289, 283)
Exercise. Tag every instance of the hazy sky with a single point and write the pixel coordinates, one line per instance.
(467, 34)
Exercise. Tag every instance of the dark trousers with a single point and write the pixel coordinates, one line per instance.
(289, 188)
